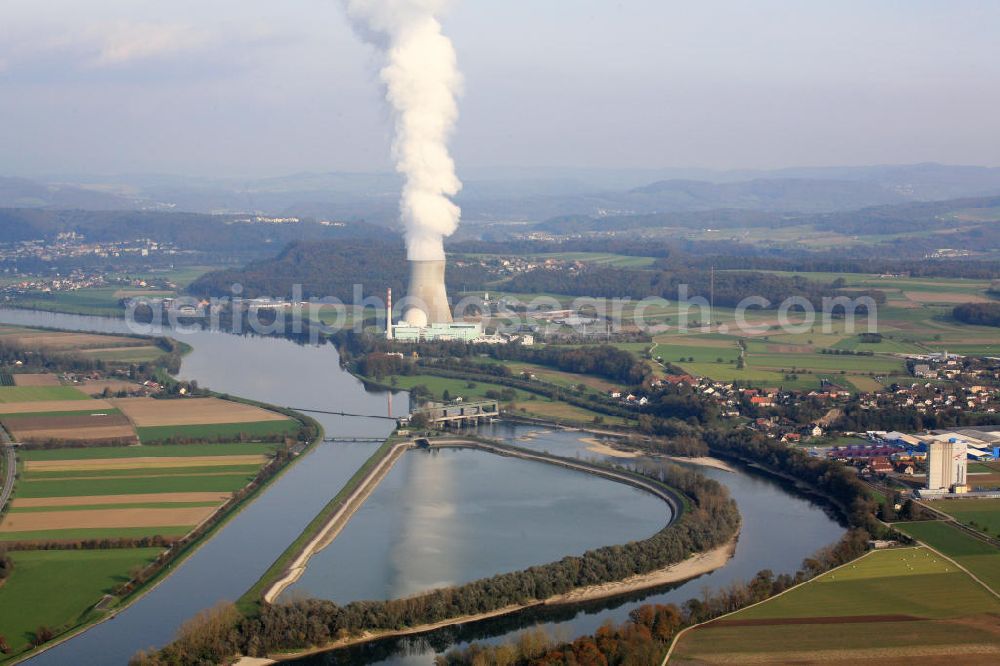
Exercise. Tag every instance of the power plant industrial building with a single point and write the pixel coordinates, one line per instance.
(426, 314)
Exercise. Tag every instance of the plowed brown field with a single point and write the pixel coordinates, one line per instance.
(104, 518)
(145, 412)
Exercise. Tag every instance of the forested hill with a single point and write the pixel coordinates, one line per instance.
(333, 268)
(328, 268)
(975, 213)
(187, 231)
(730, 287)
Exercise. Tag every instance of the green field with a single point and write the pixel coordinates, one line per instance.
(456, 387)
(902, 599)
(58, 588)
(539, 407)
(145, 472)
(141, 354)
(40, 393)
(181, 276)
(984, 512)
(566, 380)
(101, 301)
(81, 534)
(212, 431)
(223, 482)
(76, 412)
(123, 505)
(978, 557)
(601, 259)
(914, 581)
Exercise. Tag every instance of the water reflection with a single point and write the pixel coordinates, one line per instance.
(453, 515)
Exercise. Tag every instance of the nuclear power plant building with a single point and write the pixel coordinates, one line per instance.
(427, 315)
(464, 331)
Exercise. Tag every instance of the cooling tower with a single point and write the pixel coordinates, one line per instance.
(428, 301)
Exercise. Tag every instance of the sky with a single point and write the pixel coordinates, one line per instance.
(259, 87)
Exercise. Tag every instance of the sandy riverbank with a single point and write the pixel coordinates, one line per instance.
(597, 446)
(695, 565)
(703, 460)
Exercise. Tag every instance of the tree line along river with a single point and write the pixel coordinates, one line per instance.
(439, 518)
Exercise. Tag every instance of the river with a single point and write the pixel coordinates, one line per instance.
(779, 527)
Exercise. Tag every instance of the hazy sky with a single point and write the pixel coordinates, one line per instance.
(256, 87)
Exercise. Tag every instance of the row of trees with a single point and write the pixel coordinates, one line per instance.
(156, 541)
(644, 638)
(27, 358)
(6, 564)
(646, 635)
(832, 479)
(856, 418)
(709, 521)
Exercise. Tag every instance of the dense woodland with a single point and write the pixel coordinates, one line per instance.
(730, 287)
(329, 269)
(983, 314)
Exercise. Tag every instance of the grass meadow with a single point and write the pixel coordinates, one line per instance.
(982, 559)
(57, 588)
(906, 602)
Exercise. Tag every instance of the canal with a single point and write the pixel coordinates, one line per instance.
(381, 553)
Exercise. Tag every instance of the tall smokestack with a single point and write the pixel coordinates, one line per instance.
(388, 313)
(427, 295)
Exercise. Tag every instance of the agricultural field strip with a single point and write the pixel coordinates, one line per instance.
(150, 412)
(86, 404)
(22, 394)
(57, 341)
(39, 379)
(140, 462)
(58, 409)
(862, 599)
(91, 500)
(187, 450)
(984, 512)
(91, 433)
(122, 505)
(84, 504)
(68, 580)
(245, 472)
(104, 518)
(978, 559)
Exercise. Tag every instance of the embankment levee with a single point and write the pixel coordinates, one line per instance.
(358, 492)
(674, 500)
(360, 488)
(696, 565)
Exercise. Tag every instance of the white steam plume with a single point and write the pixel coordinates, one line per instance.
(422, 80)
